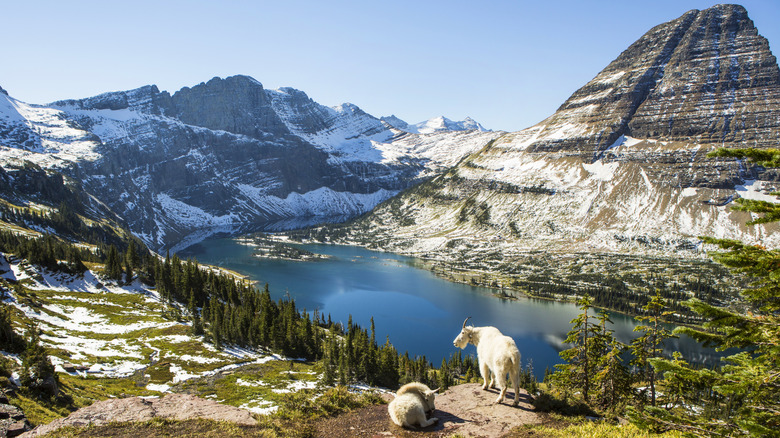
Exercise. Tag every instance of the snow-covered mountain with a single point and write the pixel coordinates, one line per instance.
(622, 165)
(226, 153)
(436, 124)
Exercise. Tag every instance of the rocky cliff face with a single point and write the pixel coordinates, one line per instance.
(707, 77)
(621, 166)
(223, 154)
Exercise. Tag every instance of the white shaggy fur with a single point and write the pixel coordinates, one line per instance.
(408, 409)
(423, 391)
(497, 354)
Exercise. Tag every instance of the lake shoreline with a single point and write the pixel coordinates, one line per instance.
(501, 284)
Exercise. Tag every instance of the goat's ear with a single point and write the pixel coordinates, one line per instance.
(434, 391)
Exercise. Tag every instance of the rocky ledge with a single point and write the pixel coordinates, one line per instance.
(174, 406)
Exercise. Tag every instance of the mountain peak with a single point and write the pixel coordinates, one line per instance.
(237, 104)
(621, 166)
(441, 123)
(395, 122)
(694, 77)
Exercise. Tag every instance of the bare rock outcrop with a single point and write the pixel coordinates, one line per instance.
(470, 411)
(13, 422)
(174, 406)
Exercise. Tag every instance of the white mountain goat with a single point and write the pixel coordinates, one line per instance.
(497, 354)
(408, 408)
(423, 391)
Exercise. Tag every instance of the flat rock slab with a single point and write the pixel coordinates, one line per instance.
(176, 406)
(470, 411)
(464, 409)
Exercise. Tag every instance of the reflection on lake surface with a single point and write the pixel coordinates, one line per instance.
(420, 312)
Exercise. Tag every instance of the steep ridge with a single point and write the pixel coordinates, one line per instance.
(223, 154)
(621, 166)
(706, 77)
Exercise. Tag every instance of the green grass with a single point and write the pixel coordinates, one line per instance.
(121, 309)
(160, 373)
(253, 384)
(599, 429)
(166, 428)
(171, 341)
(37, 411)
(114, 308)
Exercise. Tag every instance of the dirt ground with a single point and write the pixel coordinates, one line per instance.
(466, 410)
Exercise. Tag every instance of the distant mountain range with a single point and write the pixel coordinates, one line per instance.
(621, 166)
(436, 124)
(227, 154)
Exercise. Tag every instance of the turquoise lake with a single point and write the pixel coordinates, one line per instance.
(420, 312)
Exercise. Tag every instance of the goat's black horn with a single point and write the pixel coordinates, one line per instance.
(464, 322)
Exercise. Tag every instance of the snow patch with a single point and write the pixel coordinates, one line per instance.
(296, 386)
(158, 387)
(260, 408)
(602, 171)
(688, 192)
(755, 190)
(191, 216)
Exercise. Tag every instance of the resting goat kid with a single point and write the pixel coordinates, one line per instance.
(428, 395)
(408, 407)
(497, 354)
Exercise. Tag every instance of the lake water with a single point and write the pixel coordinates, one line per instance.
(420, 312)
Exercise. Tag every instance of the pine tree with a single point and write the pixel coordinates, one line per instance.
(743, 396)
(128, 273)
(580, 368)
(113, 266)
(611, 377)
(388, 365)
(197, 324)
(343, 372)
(132, 259)
(329, 362)
(216, 325)
(649, 345)
(10, 341)
(444, 377)
(37, 370)
(74, 262)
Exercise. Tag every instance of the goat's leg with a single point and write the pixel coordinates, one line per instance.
(417, 416)
(429, 422)
(501, 380)
(485, 371)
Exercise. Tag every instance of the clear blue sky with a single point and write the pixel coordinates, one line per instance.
(506, 63)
